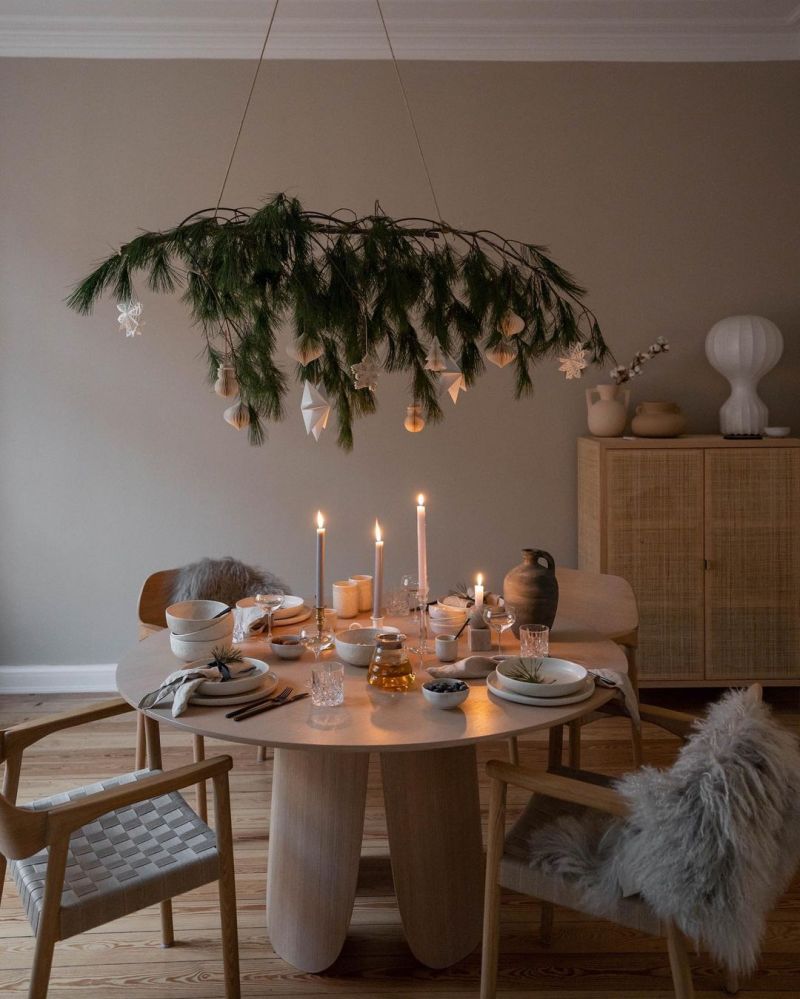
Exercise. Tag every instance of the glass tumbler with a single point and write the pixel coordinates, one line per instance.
(327, 685)
(534, 640)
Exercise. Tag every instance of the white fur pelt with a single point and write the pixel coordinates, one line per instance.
(710, 843)
(223, 579)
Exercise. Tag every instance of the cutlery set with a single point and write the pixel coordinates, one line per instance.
(265, 704)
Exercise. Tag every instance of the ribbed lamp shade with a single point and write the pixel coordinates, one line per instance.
(743, 349)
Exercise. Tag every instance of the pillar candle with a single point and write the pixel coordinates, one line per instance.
(377, 579)
(422, 547)
(320, 596)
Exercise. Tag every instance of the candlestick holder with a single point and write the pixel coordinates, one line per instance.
(377, 622)
(320, 612)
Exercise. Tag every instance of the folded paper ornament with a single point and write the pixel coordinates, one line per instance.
(316, 410)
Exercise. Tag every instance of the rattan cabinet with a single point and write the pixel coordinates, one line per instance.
(707, 532)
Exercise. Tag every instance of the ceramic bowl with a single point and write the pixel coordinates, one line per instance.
(220, 630)
(456, 693)
(192, 615)
(287, 646)
(188, 651)
(777, 431)
(559, 677)
(357, 645)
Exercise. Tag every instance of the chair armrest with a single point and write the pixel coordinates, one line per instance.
(13, 740)
(604, 799)
(65, 819)
(677, 722)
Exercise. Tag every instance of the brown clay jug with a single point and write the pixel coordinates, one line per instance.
(531, 589)
(658, 419)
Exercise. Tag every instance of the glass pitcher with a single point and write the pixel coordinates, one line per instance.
(390, 668)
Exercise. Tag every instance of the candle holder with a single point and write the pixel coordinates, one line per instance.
(377, 622)
(320, 612)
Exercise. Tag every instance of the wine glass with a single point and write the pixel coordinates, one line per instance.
(270, 601)
(318, 641)
(499, 618)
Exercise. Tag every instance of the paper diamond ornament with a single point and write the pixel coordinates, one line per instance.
(305, 354)
(436, 360)
(501, 355)
(315, 409)
(452, 379)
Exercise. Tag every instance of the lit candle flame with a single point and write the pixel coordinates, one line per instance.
(479, 579)
(378, 535)
(420, 500)
(320, 520)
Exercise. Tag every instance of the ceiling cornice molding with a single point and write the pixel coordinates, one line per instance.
(472, 30)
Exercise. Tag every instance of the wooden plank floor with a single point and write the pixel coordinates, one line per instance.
(587, 958)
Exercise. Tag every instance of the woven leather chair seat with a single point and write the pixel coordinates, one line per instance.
(126, 860)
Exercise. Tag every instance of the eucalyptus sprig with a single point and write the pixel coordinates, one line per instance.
(349, 285)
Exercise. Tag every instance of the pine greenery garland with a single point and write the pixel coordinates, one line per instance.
(342, 282)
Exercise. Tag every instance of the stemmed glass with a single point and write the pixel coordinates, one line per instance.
(317, 641)
(270, 601)
(417, 601)
(499, 618)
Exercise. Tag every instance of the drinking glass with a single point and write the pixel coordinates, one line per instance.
(270, 601)
(397, 602)
(416, 602)
(316, 641)
(327, 685)
(534, 640)
(499, 618)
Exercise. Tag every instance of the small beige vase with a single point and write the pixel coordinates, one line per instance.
(608, 412)
(658, 419)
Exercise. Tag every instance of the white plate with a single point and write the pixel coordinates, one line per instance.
(564, 678)
(289, 608)
(539, 702)
(268, 682)
(228, 688)
(303, 614)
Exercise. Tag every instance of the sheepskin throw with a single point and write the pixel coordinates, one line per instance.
(223, 579)
(710, 843)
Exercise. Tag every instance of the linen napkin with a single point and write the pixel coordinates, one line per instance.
(183, 683)
(474, 667)
(611, 678)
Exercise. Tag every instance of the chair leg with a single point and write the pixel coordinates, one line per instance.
(491, 904)
(202, 796)
(513, 750)
(10, 788)
(636, 744)
(47, 931)
(679, 963)
(227, 886)
(167, 931)
(261, 754)
(141, 742)
(731, 983)
(555, 747)
(575, 744)
(546, 923)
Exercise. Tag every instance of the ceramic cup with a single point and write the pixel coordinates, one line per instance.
(364, 584)
(345, 598)
(446, 648)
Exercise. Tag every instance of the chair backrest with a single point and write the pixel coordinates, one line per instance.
(713, 841)
(155, 597)
(602, 602)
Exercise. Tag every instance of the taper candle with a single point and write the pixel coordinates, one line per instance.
(479, 591)
(377, 579)
(422, 548)
(320, 560)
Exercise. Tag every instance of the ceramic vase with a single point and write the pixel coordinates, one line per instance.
(658, 419)
(607, 410)
(743, 349)
(531, 589)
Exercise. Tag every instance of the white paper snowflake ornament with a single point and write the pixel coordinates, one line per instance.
(315, 409)
(452, 379)
(365, 374)
(435, 360)
(573, 364)
(129, 317)
(501, 355)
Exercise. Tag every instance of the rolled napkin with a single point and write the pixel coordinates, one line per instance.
(184, 682)
(475, 667)
(611, 678)
(259, 624)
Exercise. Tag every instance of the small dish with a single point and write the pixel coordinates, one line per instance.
(287, 646)
(445, 694)
(560, 678)
(777, 431)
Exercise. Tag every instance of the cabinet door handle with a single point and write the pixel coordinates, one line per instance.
(706, 564)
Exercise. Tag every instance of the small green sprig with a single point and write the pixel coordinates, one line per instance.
(223, 656)
(526, 672)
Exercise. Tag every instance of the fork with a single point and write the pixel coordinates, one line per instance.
(279, 698)
(270, 706)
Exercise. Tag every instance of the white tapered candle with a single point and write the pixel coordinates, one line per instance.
(422, 546)
(320, 560)
(377, 579)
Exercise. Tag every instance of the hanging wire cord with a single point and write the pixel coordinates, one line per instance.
(410, 113)
(247, 103)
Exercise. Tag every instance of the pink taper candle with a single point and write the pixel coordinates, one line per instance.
(320, 560)
(422, 546)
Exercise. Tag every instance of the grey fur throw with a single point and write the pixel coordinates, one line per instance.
(223, 579)
(710, 843)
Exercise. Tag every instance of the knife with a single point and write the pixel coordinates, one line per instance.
(269, 707)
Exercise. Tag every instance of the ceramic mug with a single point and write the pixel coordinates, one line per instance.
(364, 584)
(345, 598)
(446, 648)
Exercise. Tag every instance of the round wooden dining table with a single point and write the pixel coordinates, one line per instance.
(319, 784)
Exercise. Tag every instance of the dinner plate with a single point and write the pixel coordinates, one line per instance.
(289, 608)
(539, 702)
(268, 682)
(227, 688)
(560, 678)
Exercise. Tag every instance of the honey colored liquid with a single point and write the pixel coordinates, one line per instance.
(391, 676)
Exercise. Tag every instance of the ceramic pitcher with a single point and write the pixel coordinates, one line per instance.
(608, 412)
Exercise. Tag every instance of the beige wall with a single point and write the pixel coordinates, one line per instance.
(669, 190)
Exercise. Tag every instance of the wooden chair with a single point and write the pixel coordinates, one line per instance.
(507, 864)
(85, 857)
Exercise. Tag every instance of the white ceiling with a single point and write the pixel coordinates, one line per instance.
(609, 30)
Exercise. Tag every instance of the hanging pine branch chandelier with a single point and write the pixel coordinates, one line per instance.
(362, 295)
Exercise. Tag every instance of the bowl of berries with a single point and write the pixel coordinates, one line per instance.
(445, 693)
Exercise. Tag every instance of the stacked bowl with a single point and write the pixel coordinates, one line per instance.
(447, 616)
(197, 627)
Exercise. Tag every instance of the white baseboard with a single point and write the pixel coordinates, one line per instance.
(94, 678)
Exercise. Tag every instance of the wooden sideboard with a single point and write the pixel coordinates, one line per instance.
(707, 532)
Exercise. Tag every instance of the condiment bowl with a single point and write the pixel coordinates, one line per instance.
(287, 646)
(456, 693)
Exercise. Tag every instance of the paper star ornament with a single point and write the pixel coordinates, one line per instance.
(365, 374)
(315, 409)
(129, 317)
(436, 360)
(452, 379)
(573, 364)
